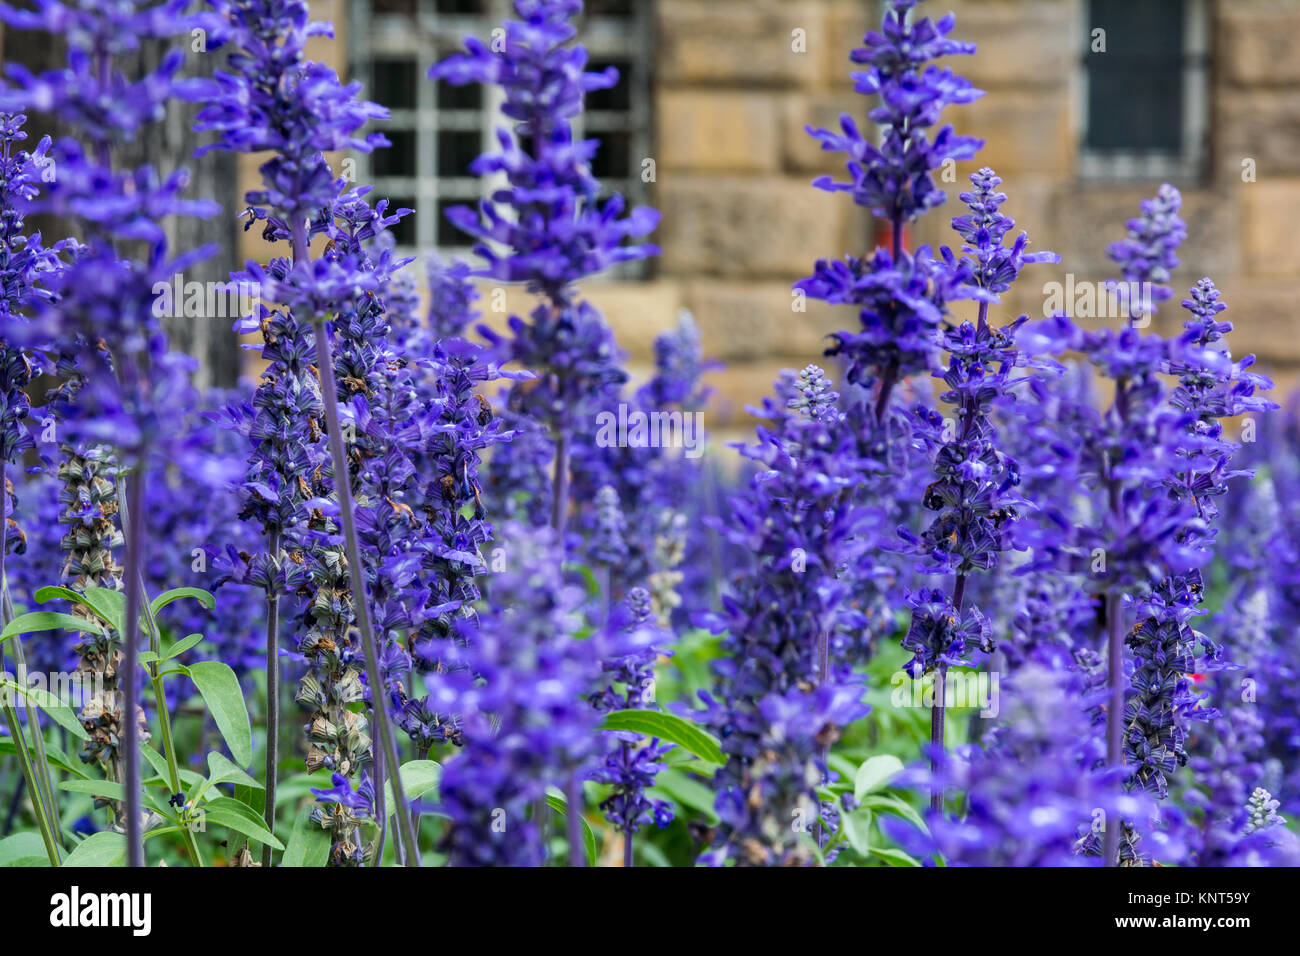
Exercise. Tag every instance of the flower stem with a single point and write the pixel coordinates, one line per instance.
(272, 696)
(1115, 649)
(325, 361)
(160, 701)
(131, 679)
(45, 791)
(29, 775)
(44, 781)
(1114, 710)
(560, 488)
(937, 711)
(577, 849)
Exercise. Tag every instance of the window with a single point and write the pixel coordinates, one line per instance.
(1144, 89)
(438, 129)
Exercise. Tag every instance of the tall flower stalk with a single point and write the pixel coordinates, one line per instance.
(632, 763)
(23, 263)
(791, 633)
(902, 297)
(282, 425)
(522, 684)
(550, 221)
(106, 298)
(274, 99)
(975, 491)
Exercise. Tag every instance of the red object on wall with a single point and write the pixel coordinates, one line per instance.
(883, 235)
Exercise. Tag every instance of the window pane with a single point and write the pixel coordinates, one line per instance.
(617, 97)
(460, 6)
(393, 6)
(614, 157)
(399, 159)
(394, 84)
(609, 8)
(1135, 87)
(468, 97)
(456, 150)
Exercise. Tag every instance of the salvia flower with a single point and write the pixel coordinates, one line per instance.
(632, 763)
(791, 633)
(522, 686)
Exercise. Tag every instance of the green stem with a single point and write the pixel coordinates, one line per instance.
(44, 791)
(24, 760)
(160, 697)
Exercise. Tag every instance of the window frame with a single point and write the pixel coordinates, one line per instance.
(426, 38)
(1189, 163)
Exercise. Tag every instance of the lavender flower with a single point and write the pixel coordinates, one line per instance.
(521, 685)
(549, 220)
(785, 686)
(104, 316)
(274, 99)
(1031, 798)
(900, 296)
(974, 493)
(451, 298)
(632, 763)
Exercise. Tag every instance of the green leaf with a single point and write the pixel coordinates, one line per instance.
(146, 657)
(221, 692)
(669, 727)
(59, 712)
(108, 604)
(46, 621)
(686, 790)
(175, 594)
(52, 753)
(108, 789)
(309, 843)
(894, 855)
(157, 761)
(857, 828)
(181, 646)
(240, 817)
(56, 591)
(686, 762)
(560, 806)
(418, 778)
(874, 773)
(99, 849)
(896, 807)
(23, 849)
(221, 770)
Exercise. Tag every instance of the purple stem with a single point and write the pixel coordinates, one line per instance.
(131, 677)
(560, 488)
(1115, 653)
(889, 378)
(329, 387)
(937, 712)
(272, 697)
